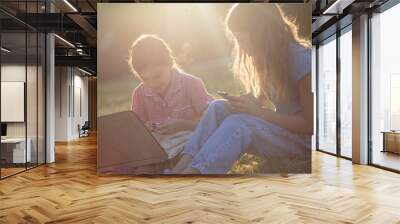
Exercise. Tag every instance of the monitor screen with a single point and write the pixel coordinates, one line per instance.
(3, 129)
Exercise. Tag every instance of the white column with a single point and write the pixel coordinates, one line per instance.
(50, 100)
(62, 103)
(50, 93)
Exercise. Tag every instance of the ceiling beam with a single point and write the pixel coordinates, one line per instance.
(81, 61)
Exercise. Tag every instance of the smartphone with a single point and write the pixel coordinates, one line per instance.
(223, 94)
(154, 126)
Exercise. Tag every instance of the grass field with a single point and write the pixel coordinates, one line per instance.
(115, 96)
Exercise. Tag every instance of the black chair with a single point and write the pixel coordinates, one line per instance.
(84, 130)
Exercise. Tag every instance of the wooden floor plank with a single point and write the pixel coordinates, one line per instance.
(70, 191)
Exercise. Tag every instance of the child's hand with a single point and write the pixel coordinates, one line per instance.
(151, 126)
(148, 126)
(169, 127)
(246, 104)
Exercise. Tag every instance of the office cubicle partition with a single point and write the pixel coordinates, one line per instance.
(22, 77)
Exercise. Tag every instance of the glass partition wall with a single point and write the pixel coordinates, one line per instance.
(22, 107)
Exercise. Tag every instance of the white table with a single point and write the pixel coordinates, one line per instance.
(18, 149)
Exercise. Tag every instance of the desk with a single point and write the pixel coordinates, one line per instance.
(391, 141)
(15, 148)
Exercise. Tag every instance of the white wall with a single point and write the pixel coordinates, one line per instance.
(62, 81)
(12, 73)
(16, 73)
(81, 85)
(70, 83)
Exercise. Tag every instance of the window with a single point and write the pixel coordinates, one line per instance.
(327, 96)
(385, 85)
(346, 93)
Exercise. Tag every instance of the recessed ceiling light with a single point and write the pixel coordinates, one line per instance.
(337, 6)
(70, 5)
(65, 41)
(84, 71)
(5, 50)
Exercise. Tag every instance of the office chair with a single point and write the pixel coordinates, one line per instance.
(84, 130)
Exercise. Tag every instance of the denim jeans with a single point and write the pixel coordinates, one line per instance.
(221, 137)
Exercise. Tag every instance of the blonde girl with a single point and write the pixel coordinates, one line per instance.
(274, 66)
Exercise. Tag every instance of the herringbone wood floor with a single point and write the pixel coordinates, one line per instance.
(69, 191)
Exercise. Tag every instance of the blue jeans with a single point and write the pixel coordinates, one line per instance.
(221, 137)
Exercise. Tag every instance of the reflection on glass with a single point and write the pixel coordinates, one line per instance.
(385, 84)
(346, 94)
(327, 97)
